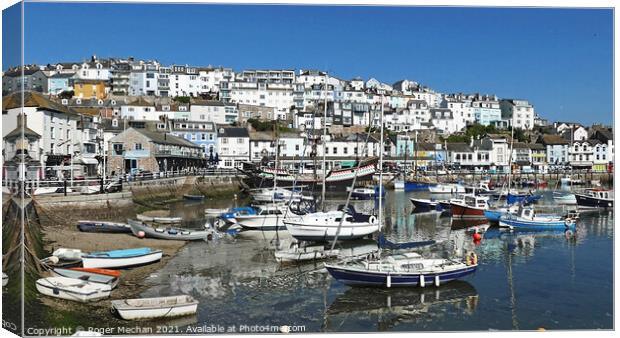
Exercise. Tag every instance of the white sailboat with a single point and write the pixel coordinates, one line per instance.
(345, 224)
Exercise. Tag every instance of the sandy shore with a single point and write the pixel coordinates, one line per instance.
(130, 285)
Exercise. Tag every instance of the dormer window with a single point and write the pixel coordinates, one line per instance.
(113, 102)
(114, 122)
(65, 102)
(100, 102)
(78, 101)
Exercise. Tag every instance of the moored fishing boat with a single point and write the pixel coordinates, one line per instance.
(73, 289)
(595, 198)
(121, 258)
(470, 207)
(407, 269)
(527, 219)
(141, 230)
(86, 276)
(158, 307)
(101, 226)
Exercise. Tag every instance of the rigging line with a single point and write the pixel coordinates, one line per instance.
(353, 184)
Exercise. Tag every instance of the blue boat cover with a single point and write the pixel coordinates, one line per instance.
(121, 253)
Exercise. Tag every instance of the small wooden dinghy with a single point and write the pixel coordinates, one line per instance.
(140, 230)
(158, 307)
(308, 253)
(121, 258)
(193, 197)
(100, 226)
(107, 272)
(86, 276)
(159, 219)
(73, 289)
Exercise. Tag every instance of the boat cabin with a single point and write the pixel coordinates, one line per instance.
(599, 193)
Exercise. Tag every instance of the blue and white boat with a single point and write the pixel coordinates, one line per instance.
(494, 214)
(527, 219)
(407, 269)
(121, 258)
(229, 216)
(522, 198)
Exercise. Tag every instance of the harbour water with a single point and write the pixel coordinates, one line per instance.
(525, 281)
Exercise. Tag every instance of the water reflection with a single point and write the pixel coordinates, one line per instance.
(525, 280)
(387, 307)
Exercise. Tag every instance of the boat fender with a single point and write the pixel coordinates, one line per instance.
(141, 234)
(422, 281)
(372, 219)
(56, 291)
(437, 282)
(472, 258)
(567, 222)
(389, 281)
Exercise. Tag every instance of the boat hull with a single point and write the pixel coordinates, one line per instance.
(377, 278)
(122, 262)
(178, 235)
(86, 276)
(161, 308)
(322, 233)
(424, 205)
(261, 222)
(106, 227)
(466, 212)
(536, 226)
(589, 202)
(72, 289)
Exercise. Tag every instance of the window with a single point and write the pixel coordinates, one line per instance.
(224, 140)
(52, 133)
(203, 136)
(335, 151)
(239, 141)
(68, 134)
(138, 146)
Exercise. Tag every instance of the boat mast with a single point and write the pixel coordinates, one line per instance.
(512, 139)
(324, 145)
(380, 219)
(275, 173)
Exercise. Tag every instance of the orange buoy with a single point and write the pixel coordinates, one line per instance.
(477, 236)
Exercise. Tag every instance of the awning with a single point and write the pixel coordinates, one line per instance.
(89, 160)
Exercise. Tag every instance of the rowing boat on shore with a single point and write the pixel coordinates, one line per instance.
(121, 258)
(140, 230)
(73, 289)
(157, 307)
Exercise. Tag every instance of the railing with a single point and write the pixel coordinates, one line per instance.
(97, 184)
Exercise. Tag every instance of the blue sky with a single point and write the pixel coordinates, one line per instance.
(559, 59)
